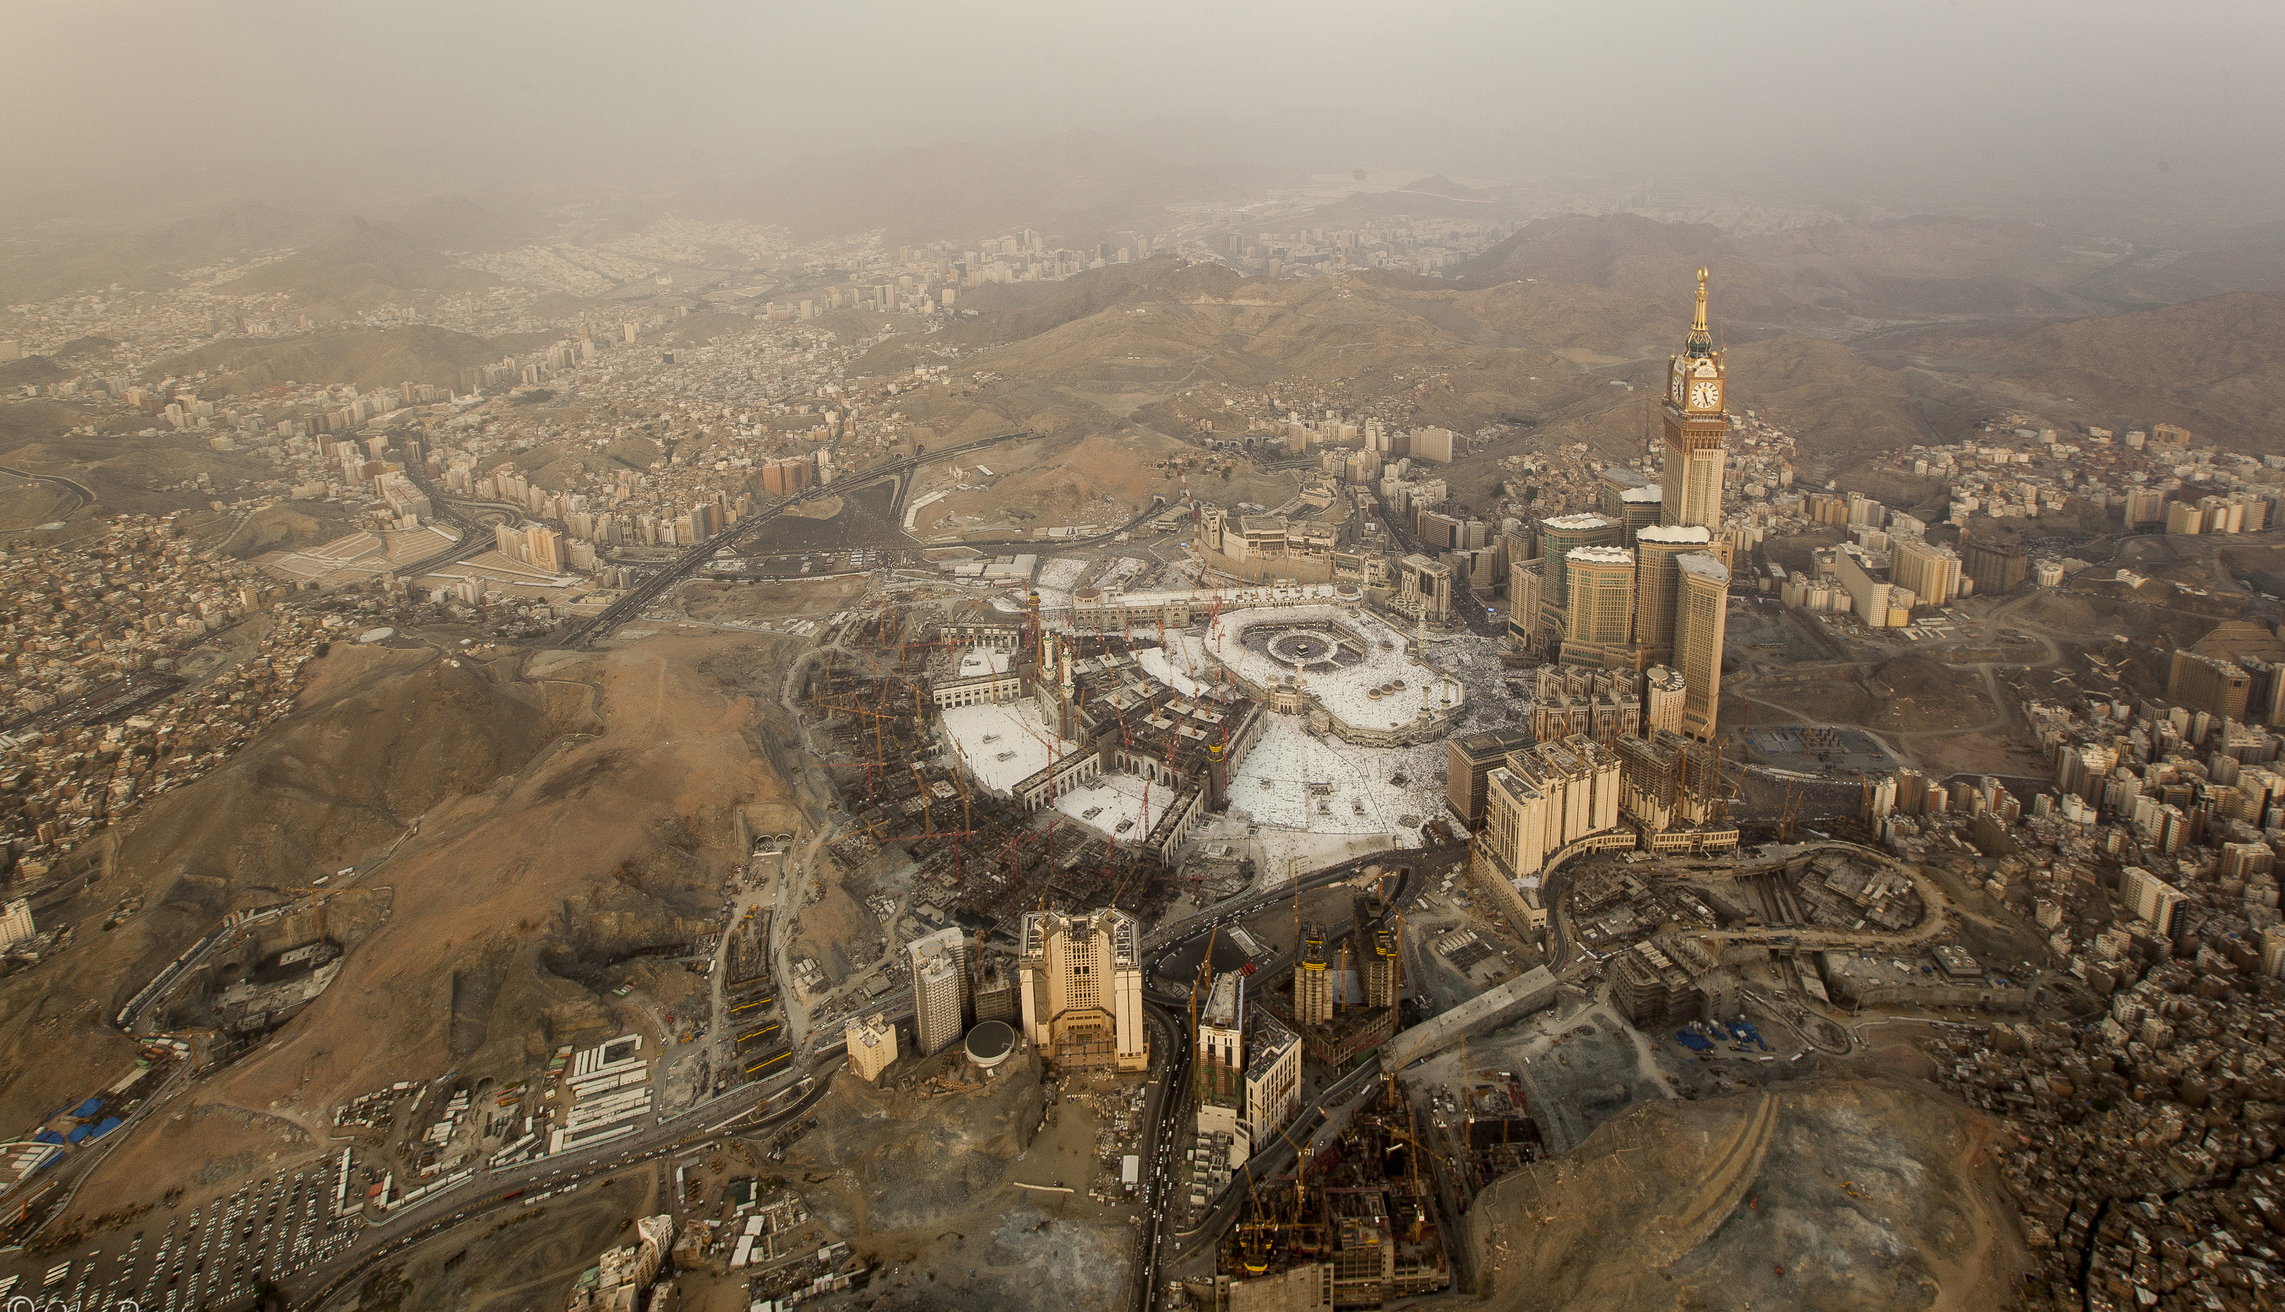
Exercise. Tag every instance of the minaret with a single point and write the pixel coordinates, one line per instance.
(1697, 429)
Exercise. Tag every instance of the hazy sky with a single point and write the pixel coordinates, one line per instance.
(106, 98)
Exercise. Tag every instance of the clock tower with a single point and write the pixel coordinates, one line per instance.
(1697, 429)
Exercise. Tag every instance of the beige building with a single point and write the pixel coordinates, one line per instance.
(1664, 691)
(16, 922)
(1658, 581)
(1080, 981)
(1930, 570)
(1700, 622)
(1248, 1069)
(872, 1046)
(1424, 586)
(1601, 608)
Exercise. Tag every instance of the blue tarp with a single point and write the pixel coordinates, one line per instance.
(109, 1124)
(88, 1108)
(1694, 1042)
(48, 1136)
(78, 1133)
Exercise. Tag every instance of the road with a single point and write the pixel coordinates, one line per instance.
(81, 490)
(1164, 1123)
(480, 1197)
(633, 604)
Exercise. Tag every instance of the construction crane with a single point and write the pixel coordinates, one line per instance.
(316, 904)
(1204, 979)
(869, 767)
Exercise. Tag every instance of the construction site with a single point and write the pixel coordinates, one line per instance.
(1018, 767)
(1356, 1224)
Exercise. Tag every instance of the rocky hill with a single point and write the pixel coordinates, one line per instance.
(2215, 366)
(575, 815)
(366, 357)
(359, 264)
(1862, 1196)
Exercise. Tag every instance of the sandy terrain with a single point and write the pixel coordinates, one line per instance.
(517, 897)
(1859, 1195)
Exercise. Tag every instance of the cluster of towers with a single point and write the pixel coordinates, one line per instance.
(1644, 581)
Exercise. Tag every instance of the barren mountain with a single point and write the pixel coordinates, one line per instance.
(366, 357)
(2245, 259)
(1851, 1197)
(42, 263)
(1829, 279)
(2215, 366)
(360, 264)
(575, 814)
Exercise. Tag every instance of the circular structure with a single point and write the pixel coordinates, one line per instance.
(1354, 670)
(989, 1043)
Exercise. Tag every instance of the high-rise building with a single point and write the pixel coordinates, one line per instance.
(1630, 499)
(1700, 619)
(1312, 988)
(1382, 962)
(1424, 586)
(1526, 583)
(2206, 683)
(939, 963)
(543, 549)
(872, 1046)
(1929, 570)
(1996, 567)
(1697, 429)
(1601, 608)
(1468, 759)
(1664, 691)
(1081, 988)
(1657, 582)
(2154, 900)
(1248, 1069)
(1558, 538)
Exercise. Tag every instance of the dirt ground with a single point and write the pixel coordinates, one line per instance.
(510, 906)
(766, 599)
(529, 1259)
(1859, 1195)
(929, 1190)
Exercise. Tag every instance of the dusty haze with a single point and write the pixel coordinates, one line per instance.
(2049, 110)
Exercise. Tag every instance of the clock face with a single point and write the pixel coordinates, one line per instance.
(1704, 395)
(1681, 380)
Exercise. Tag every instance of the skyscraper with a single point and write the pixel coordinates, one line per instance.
(1312, 991)
(1701, 613)
(1631, 500)
(939, 988)
(1558, 537)
(1658, 581)
(1601, 609)
(1697, 429)
(1929, 570)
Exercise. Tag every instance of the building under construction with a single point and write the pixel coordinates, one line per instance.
(1019, 766)
(1345, 989)
(1356, 1225)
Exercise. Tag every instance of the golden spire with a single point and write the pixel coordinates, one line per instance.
(1701, 339)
